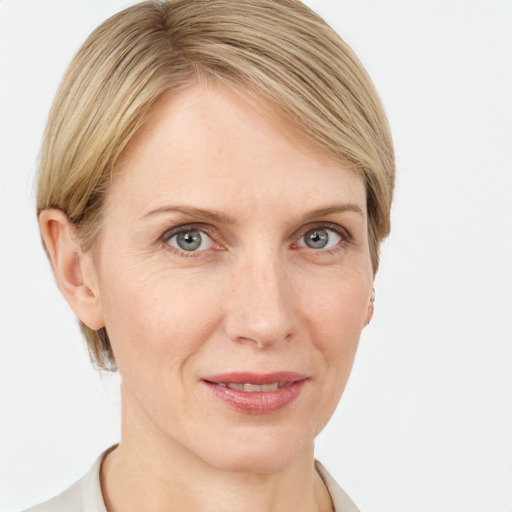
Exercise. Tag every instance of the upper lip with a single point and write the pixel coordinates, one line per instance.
(255, 378)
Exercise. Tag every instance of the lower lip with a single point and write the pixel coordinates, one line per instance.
(263, 402)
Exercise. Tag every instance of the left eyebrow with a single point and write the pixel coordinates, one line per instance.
(335, 208)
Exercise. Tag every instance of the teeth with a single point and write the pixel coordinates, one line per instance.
(239, 387)
(270, 387)
(252, 388)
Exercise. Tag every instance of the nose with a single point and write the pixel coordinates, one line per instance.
(259, 309)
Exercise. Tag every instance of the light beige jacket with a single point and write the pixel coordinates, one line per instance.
(85, 495)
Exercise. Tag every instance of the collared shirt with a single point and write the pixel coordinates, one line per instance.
(85, 495)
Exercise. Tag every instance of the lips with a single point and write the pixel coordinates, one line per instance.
(252, 388)
(253, 393)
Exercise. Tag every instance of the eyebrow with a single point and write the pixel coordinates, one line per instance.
(223, 218)
(335, 208)
(191, 211)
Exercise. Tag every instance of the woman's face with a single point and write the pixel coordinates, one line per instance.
(234, 277)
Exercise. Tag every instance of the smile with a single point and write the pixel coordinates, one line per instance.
(259, 394)
(252, 388)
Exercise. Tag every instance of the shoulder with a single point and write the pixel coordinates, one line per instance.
(83, 496)
(68, 500)
(340, 499)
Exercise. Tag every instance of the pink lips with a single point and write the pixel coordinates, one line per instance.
(257, 402)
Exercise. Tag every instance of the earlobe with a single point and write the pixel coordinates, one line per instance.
(72, 268)
(371, 308)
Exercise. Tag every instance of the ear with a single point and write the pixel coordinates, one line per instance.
(73, 269)
(371, 307)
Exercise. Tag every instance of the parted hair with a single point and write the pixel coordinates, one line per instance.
(278, 51)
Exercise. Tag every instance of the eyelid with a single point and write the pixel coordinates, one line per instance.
(344, 233)
(205, 229)
(345, 241)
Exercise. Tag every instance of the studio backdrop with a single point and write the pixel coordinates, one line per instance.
(425, 423)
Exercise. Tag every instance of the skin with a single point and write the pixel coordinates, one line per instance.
(254, 297)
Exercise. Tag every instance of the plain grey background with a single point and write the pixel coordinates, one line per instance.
(426, 420)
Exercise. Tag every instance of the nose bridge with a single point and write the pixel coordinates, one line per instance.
(260, 309)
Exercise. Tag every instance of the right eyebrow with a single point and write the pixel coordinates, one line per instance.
(192, 212)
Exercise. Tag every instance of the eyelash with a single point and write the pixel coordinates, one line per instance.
(345, 236)
(168, 235)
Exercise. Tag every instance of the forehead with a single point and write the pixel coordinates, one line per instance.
(209, 145)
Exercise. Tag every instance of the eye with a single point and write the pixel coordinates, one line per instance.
(319, 238)
(190, 240)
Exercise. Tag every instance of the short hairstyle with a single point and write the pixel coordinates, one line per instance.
(279, 51)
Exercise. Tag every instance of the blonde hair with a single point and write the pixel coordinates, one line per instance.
(277, 50)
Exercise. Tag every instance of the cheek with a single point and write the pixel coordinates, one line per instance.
(337, 329)
(157, 317)
(337, 304)
(337, 310)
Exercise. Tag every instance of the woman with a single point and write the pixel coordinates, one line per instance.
(215, 181)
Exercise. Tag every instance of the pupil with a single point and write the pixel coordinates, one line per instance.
(317, 239)
(189, 241)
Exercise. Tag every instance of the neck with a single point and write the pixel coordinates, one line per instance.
(151, 472)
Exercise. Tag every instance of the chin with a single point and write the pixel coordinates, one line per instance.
(254, 463)
(263, 452)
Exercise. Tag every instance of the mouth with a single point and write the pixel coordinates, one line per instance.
(253, 393)
(252, 388)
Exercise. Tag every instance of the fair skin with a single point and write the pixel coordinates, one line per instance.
(230, 244)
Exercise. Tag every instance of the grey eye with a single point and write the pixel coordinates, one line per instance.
(191, 240)
(320, 238)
